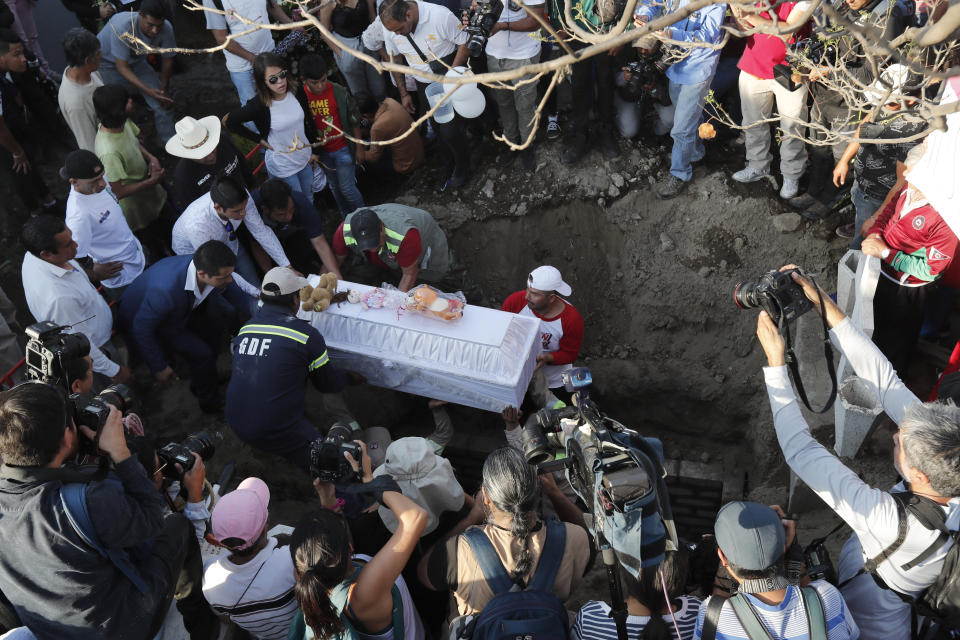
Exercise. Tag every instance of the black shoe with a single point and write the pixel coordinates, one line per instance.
(575, 152)
(816, 211)
(506, 159)
(609, 145)
(671, 187)
(529, 157)
(453, 182)
(803, 201)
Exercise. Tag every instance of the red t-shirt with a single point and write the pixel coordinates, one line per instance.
(765, 51)
(408, 253)
(325, 113)
(561, 335)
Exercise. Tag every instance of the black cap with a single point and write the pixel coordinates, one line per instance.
(365, 227)
(81, 165)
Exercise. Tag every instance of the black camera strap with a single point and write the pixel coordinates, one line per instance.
(794, 364)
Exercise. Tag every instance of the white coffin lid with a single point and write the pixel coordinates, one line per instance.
(486, 345)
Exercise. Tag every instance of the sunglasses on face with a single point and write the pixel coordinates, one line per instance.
(232, 233)
(278, 77)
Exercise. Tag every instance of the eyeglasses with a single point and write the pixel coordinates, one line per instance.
(232, 233)
(274, 79)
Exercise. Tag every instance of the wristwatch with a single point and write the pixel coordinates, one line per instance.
(885, 254)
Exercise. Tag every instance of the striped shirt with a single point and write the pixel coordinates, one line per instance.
(594, 622)
(788, 620)
(257, 595)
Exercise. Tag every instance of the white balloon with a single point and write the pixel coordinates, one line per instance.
(469, 104)
(456, 73)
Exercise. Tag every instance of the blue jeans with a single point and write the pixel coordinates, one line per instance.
(162, 118)
(865, 208)
(687, 112)
(342, 178)
(243, 81)
(302, 181)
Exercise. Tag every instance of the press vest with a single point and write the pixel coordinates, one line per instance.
(397, 220)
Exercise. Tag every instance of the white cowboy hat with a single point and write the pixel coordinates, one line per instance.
(195, 139)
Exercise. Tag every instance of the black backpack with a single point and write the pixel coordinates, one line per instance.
(939, 603)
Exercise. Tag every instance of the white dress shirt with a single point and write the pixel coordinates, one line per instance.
(199, 223)
(439, 32)
(870, 512)
(193, 286)
(67, 298)
(102, 233)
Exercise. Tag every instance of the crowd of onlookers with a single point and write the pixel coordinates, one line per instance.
(394, 547)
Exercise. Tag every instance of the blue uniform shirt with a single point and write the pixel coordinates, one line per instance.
(273, 355)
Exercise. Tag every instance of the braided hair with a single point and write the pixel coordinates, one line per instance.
(512, 486)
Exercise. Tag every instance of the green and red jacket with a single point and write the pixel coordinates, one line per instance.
(922, 245)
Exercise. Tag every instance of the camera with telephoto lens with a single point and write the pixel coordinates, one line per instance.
(812, 51)
(327, 462)
(92, 411)
(776, 293)
(480, 24)
(49, 350)
(647, 80)
(181, 453)
(617, 474)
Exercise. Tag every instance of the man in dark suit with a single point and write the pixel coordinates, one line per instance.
(178, 305)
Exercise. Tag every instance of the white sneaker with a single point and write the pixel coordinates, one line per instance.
(790, 188)
(750, 174)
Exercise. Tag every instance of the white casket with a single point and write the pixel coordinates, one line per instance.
(484, 359)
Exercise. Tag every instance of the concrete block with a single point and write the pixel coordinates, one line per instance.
(856, 412)
(857, 275)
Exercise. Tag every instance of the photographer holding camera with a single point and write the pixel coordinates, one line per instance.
(878, 569)
(752, 541)
(511, 45)
(70, 580)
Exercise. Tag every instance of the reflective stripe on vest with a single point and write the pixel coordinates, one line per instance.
(394, 246)
(275, 330)
(319, 362)
(348, 238)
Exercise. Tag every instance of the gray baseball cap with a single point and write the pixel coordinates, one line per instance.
(750, 535)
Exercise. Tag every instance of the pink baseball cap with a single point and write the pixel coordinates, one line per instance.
(241, 514)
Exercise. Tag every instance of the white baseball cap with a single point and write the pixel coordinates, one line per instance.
(281, 281)
(547, 278)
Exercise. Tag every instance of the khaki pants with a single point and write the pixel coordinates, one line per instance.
(757, 98)
(517, 107)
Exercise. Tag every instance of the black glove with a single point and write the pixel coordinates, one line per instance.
(374, 488)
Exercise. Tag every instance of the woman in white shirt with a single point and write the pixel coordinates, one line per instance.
(284, 124)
